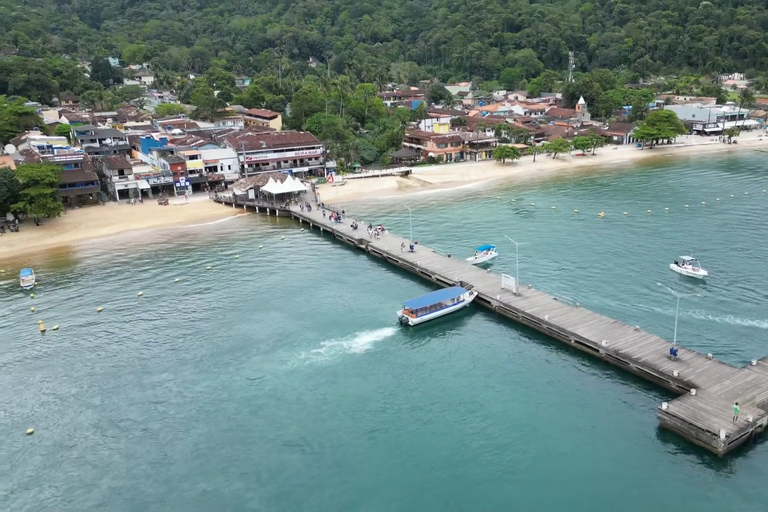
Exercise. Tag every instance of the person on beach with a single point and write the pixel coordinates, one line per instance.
(736, 412)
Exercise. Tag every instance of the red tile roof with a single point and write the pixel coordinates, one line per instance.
(254, 140)
(562, 113)
(261, 113)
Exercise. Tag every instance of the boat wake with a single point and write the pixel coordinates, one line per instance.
(355, 344)
(729, 319)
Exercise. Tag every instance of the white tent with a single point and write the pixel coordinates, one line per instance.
(291, 185)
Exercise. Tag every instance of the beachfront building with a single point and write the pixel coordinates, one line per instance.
(79, 183)
(116, 176)
(438, 146)
(291, 152)
(263, 117)
(714, 119)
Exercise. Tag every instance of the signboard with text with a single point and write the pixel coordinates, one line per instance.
(304, 153)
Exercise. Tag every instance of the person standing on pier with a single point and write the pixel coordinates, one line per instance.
(736, 412)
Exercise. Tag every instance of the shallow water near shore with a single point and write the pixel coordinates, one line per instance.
(279, 380)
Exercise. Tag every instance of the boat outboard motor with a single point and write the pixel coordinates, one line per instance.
(403, 320)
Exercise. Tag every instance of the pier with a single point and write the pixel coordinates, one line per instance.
(707, 388)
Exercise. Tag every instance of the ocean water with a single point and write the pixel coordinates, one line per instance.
(280, 381)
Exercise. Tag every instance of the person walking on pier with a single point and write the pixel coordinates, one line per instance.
(736, 412)
(402, 247)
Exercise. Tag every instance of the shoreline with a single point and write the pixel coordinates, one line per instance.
(489, 173)
(113, 219)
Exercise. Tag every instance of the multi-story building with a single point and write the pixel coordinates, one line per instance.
(263, 117)
(442, 147)
(100, 141)
(298, 153)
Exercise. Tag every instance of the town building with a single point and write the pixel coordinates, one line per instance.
(263, 117)
(437, 146)
(290, 152)
(116, 176)
(100, 141)
(409, 98)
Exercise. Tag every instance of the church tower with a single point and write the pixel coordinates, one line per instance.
(581, 110)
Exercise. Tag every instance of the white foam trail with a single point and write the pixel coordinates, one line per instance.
(355, 344)
(225, 219)
(729, 319)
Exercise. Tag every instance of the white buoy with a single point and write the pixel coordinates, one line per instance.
(497, 197)
(99, 309)
(575, 211)
(532, 204)
(649, 211)
(514, 200)
(601, 214)
(30, 431)
(686, 206)
(746, 193)
(625, 213)
(261, 247)
(703, 202)
(31, 295)
(666, 209)
(141, 294)
(717, 199)
(554, 207)
(32, 309)
(55, 328)
(176, 280)
(732, 195)
(238, 256)
(209, 268)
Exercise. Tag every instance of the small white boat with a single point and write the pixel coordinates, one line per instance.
(688, 266)
(434, 305)
(27, 278)
(482, 254)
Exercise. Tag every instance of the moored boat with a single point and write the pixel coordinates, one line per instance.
(689, 266)
(482, 254)
(434, 305)
(27, 278)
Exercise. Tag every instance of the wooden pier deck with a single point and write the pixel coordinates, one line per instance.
(708, 387)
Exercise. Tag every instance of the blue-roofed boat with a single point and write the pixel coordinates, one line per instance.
(27, 278)
(434, 305)
(482, 254)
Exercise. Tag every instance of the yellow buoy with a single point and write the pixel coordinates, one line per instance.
(141, 294)
(176, 280)
(30, 431)
(55, 328)
(601, 215)
(575, 211)
(99, 309)
(41, 325)
(31, 295)
(2, 270)
(32, 309)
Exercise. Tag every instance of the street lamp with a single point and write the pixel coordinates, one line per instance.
(517, 263)
(677, 307)
(410, 220)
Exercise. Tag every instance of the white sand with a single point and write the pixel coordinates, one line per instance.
(489, 172)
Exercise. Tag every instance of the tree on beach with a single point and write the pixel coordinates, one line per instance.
(39, 194)
(503, 153)
(581, 143)
(535, 150)
(9, 190)
(557, 145)
(595, 141)
(659, 125)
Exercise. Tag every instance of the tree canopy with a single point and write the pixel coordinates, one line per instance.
(39, 190)
(660, 125)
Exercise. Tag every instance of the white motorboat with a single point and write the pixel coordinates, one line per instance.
(482, 254)
(688, 266)
(434, 305)
(27, 278)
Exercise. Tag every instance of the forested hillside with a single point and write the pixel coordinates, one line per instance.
(403, 40)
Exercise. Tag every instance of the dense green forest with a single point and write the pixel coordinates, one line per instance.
(325, 61)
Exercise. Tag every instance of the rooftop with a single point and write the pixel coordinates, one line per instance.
(252, 141)
(261, 113)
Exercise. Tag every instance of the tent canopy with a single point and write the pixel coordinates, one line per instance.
(291, 185)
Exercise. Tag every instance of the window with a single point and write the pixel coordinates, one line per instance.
(442, 146)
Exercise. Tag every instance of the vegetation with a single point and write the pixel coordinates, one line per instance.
(15, 118)
(39, 190)
(660, 125)
(169, 109)
(503, 153)
(9, 190)
(557, 146)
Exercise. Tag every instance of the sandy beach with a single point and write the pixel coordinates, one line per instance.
(110, 219)
(94, 222)
(489, 173)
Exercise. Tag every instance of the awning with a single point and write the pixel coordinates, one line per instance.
(143, 184)
(291, 185)
(435, 297)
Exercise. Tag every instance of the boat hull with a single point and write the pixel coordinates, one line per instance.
(408, 320)
(27, 281)
(692, 272)
(481, 259)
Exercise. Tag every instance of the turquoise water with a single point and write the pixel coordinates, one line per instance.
(280, 381)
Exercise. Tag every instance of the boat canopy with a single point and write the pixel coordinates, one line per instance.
(435, 297)
(26, 272)
(486, 247)
(687, 258)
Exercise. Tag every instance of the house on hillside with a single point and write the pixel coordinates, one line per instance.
(68, 99)
(263, 117)
(145, 76)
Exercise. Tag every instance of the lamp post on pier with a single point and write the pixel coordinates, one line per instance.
(677, 308)
(410, 220)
